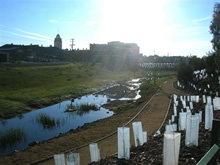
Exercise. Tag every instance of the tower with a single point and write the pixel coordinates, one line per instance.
(58, 42)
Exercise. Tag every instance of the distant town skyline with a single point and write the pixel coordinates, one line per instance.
(163, 27)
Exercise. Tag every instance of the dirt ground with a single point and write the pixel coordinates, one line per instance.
(151, 117)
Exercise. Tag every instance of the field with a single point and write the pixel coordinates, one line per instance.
(26, 88)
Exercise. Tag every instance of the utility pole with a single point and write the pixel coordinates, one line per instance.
(72, 43)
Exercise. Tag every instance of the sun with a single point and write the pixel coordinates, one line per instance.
(139, 21)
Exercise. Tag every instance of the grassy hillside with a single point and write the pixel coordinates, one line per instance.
(24, 86)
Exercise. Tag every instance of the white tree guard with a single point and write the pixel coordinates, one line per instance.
(73, 159)
(184, 104)
(191, 105)
(188, 98)
(192, 98)
(188, 109)
(192, 138)
(145, 136)
(216, 94)
(200, 120)
(174, 97)
(197, 99)
(203, 98)
(199, 116)
(209, 100)
(172, 118)
(94, 152)
(171, 127)
(176, 103)
(188, 127)
(171, 148)
(174, 110)
(182, 121)
(216, 103)
(124, 143)
(59, 159)
(138, 133)
(208, 116)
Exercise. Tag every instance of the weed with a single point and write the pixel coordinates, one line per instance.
(46, 121)
(11, 137)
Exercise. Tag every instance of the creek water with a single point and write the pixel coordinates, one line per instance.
(64, 121)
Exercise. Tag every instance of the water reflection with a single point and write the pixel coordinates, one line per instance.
(11, 137)
(48, 122)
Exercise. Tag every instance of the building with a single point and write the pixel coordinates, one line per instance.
(58, 42)
(115, 48)
(13, 53)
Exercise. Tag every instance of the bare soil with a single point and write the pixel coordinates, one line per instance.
(152, 117)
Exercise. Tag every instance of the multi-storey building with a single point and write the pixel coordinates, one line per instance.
(115, 48)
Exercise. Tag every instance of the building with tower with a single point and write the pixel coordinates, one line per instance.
(58, 42)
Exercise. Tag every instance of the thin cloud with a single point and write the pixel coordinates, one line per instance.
(34, 34)
(26, 32)
(27, 36)
(52, 21)
(202, 19)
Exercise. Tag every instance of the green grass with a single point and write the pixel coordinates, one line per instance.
(149, 86)
(22, 87)
(46, 121)
(11, 137)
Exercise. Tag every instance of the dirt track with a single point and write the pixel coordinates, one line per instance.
(151, 117)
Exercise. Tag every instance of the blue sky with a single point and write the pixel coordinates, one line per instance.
(174, 27)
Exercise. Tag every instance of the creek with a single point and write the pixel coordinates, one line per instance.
(61, 122)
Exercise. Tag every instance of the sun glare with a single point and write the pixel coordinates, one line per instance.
(139, 21)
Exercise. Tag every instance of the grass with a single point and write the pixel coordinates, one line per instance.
(149, 86)
(46, 121)
(11, 137)
(23, 87)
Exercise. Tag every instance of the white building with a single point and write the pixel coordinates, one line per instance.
(58, 42)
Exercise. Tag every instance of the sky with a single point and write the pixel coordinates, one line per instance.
(162, 27)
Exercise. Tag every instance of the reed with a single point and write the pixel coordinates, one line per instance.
(88, 107)
(82, 108)
(46, 121)
(11, 137)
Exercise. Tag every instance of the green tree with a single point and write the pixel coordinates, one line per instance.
(215, 31)
(215, 27)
